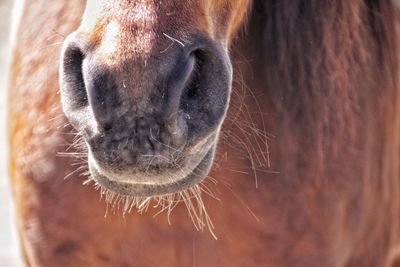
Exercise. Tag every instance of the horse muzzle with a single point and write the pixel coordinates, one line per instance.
(151, 125)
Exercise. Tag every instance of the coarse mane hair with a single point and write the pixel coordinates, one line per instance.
(330, 70)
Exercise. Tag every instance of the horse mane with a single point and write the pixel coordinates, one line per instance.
(329, 69)
(315, 51)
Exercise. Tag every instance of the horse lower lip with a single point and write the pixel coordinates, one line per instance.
(153, 189)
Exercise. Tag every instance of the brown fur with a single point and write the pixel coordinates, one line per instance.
(320, 77)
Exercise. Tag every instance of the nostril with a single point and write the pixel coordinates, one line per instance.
(192, 93)
(72, 82)
(87, 88)
(205, 98)
(176, 82)
(192, 88)
(183, 82)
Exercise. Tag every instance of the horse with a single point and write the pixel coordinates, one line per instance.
(244, 133)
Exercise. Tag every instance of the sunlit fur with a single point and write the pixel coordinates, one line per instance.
(307, 171)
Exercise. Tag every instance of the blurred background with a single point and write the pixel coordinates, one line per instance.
(9, 254)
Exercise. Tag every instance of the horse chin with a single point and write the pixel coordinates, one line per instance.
(137, 186)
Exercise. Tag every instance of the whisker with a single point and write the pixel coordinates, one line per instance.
(191, 198)
(174, 39)
(240, 200)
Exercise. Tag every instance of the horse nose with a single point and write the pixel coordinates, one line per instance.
(86, 83)
(183, 85)
(106, 95)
